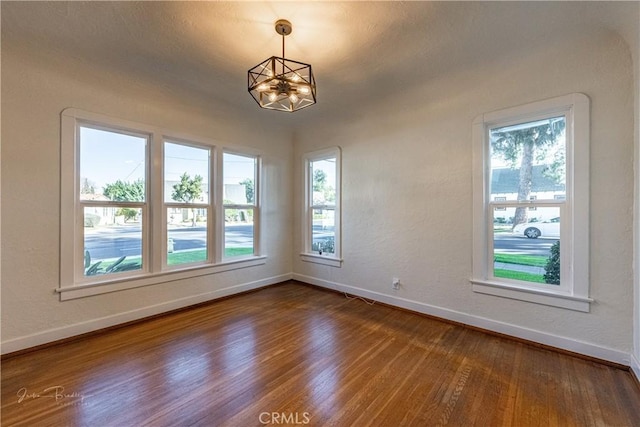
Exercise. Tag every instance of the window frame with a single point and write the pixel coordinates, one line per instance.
(73, 284)
(335, 259)
(209, 206)
(573, 293)
(257, 248)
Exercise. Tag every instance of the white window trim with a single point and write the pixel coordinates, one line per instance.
(575, 266)
(335, 259)
(71, 286)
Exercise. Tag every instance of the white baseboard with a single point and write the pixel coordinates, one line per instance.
(635, 367)
(56, 334)
(551, 340)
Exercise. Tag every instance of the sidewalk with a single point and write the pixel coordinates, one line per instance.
(517, 267)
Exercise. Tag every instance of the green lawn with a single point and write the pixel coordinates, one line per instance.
(201, 255)
(501, 228)
(518, 275)
(228, 252)
(177, 258)
(533, 260)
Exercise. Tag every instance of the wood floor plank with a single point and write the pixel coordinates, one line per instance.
(296, 355)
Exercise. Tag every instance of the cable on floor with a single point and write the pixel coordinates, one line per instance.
(360, 298)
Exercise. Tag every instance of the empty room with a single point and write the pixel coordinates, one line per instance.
(320, 213)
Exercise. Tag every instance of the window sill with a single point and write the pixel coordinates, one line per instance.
(89, 289)
(538, 296)
(321, 259)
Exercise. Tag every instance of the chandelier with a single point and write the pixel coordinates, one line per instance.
(282, 84)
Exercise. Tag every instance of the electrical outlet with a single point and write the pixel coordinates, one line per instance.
(395, 283)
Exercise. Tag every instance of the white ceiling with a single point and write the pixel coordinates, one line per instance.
(361, 52)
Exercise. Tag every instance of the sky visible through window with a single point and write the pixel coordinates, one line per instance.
(180, 158)
(238, 168)
(108, 156)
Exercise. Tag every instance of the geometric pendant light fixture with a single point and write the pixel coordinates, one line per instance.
(282, 84)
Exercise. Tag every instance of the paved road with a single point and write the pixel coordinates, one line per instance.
(113, 242)
(321, 234)
(510, 244)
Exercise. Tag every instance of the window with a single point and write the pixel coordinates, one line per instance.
(240, 204)
(531, 242)
(187, 203)
(321, 217)
(112, 198)
(137, 206)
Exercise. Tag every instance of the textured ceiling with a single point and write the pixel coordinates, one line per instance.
(361, 52)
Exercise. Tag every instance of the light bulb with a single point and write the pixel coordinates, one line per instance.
(305, 90)
(296, 77)
(293, 97)
(262, 87)
(273, 96)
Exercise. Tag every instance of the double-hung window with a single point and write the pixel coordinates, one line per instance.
(531, 203)
(112, 206)
(240, 198)
(322, 207)
(187, 203)
(140, 205)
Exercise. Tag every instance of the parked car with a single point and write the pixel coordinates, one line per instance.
(533, 230)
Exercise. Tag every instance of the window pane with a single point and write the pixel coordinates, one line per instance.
(323, 231)
(528, 160)
(239, 179)
(530, 251)
(323, 182)
(186, 173)
(112, 166)
(112, 240)
(238, 232)
(187, 235)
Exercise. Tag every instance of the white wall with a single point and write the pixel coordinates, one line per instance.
(407, 193)
(36, 87)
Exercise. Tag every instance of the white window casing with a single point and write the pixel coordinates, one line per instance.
(573, 291)
(310, 206)
(74, 283)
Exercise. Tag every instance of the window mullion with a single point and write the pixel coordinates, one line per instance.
(156, 224)
(218, 230)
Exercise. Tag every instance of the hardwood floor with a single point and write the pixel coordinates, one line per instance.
(292, 354)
